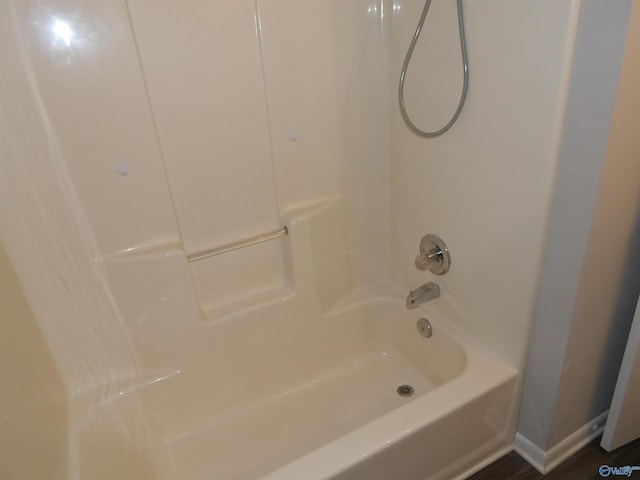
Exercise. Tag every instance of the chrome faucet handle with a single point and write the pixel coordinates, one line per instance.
(434, 255)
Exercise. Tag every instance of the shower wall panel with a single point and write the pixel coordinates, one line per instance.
(203, 69)
(325, 75)
(78, 61)
(202, 66)
(485, 185)
(81, 177)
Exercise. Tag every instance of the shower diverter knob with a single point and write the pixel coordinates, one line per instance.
(434, 255)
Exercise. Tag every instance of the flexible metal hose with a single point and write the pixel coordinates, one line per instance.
(465, 84)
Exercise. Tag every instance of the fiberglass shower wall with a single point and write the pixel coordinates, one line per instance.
(155, 129)
(261, 108)
(485, 185)
(140, 131)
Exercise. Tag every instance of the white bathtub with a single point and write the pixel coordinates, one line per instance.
(319, 406)
(454, 423)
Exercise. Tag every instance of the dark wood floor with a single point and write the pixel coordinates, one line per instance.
(583, 465)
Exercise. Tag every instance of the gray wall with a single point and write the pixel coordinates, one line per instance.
(588, 286)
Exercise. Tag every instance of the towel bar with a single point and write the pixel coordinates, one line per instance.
(210, 252)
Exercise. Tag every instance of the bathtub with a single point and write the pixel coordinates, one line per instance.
(320, 406)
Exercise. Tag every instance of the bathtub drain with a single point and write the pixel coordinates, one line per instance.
(405, 390)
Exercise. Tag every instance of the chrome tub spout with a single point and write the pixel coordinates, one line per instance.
(422, 294)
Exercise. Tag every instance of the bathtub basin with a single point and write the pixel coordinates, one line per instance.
(321, 403)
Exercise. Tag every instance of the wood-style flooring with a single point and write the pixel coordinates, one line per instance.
(583, 465)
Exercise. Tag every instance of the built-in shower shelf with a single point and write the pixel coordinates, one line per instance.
(228, 311)
(242, 275)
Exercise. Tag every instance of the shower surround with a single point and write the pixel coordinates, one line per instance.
(138, 133)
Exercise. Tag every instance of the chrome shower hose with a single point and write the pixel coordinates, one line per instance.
(465, 84)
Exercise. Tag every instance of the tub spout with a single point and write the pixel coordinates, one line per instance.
(422, 294)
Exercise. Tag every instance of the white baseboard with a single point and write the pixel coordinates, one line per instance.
(545, 461)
